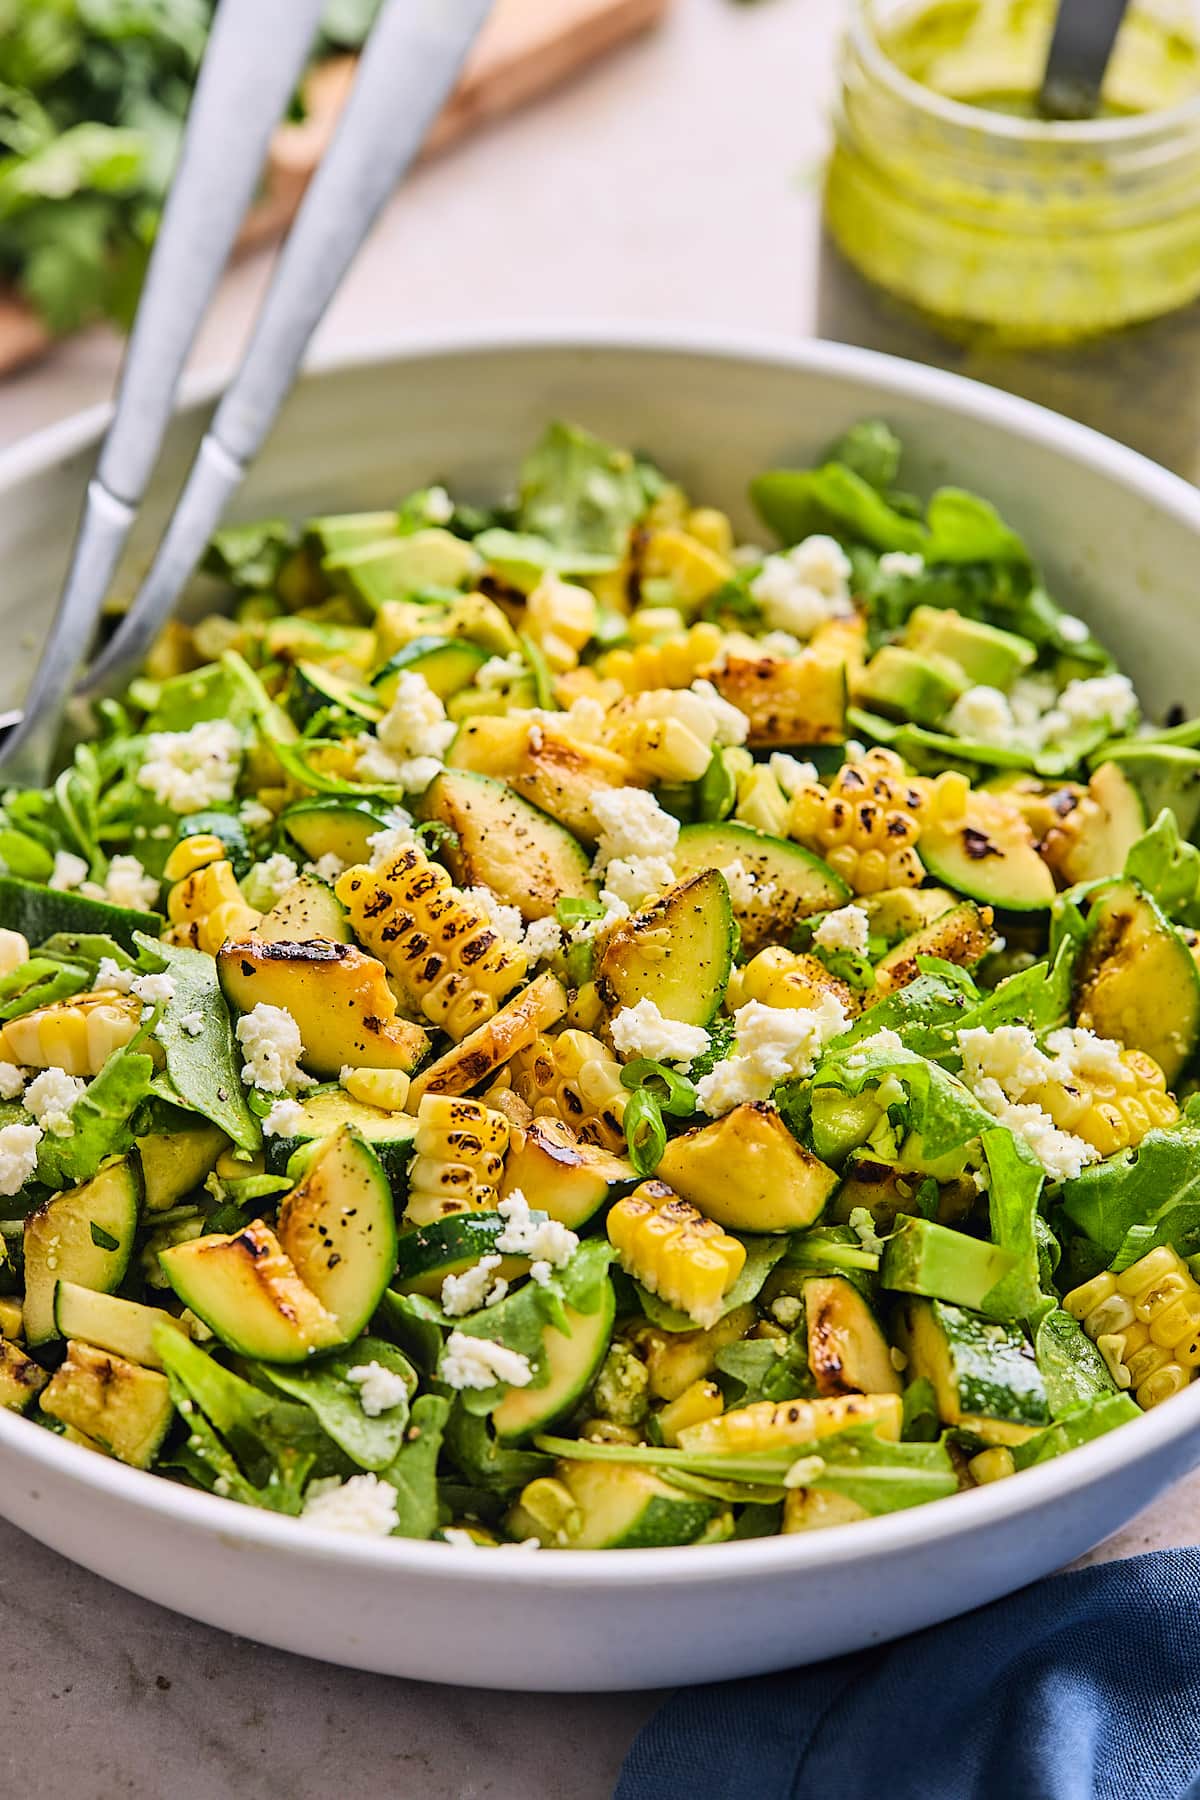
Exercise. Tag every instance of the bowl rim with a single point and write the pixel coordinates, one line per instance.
(863, 1541)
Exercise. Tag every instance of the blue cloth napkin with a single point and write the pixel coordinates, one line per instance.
(1082, 1687)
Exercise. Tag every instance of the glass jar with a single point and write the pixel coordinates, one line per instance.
(1028, 253)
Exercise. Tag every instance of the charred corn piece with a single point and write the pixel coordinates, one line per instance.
(661, 749)
(676, 1359)
(192, 853)
(560, 618)
(779, 977)
(712, 528)
(77, 1035)
(448, 960)
(992, 1465)
(766, 1424)
(866, 822)
(460, 1146)
(1145, 1322)
(697, 1403)
(674, 1251)
(1113, 1111)
(575, 1078)
(685, 564)
(673, 663)
(206, 907)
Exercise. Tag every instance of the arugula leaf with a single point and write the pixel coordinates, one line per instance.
(336, 1401)
(1140, 1198)
(472, 1447)
(765, 1369)
(413, 1471)
(1166, 867)
(418, 1325)
(762, 1253)
(250, 557)
(580, 493)
(204, 1070)
(871, 449)
(836, 499)
(1103, 1414)
(963, 528)
(1072, 1368)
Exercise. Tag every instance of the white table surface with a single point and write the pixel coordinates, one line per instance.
(677, 181)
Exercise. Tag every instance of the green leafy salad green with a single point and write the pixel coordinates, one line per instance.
(550, 1025)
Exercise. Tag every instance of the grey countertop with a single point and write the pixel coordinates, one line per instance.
(675, 182)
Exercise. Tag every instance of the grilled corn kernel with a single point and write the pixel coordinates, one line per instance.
(675, 1359)
(701, 1401)
(815, 1509)
(1169, 1380)
(1145, 1323)
(192, 853)
(1148, 1269)
(448, 960)
(14, 951)
(1112, 1111)
(766, 1424)
(866, 822)
(459, 1159)
(779, 977)
(385, 1088)
(560, 618)
(711, 527)
(575, 1078)
(675, 662)
(674, 1251)
(77, 1035)
(1082, 1300)
(206, 907)
(684, 564)
(992, 1465)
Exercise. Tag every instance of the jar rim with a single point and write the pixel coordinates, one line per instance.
(1039, 133)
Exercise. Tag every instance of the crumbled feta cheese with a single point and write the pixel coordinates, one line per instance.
(255, 816)
(379, 1389)
(111, 978)
(396, 836)
(773, 1044)
(633, 879)
(902, 562)
(615, 909)
(50, 1096)
(475, 1287)
(523, 1235)
(885, 1042)
(18, 1156)
(364, 1506)
(270, 880)
(1099, 700)
(461, 1540)
(190, 770)
(641, 1030)
(845, 929)
(982, 713)
(543, 939)
(584, 719)
(631, 824)
(69, 870)
(153, 989)
(779, 643)
(125, 884)
(411, 738)
(439, 507)
(271, 1039)
(804, 587)
(1072, 630)
(1061, 1154)
(541, 1272)
(786, 1310)
(499, 672)
(1000, 1067)
(12, 1081)
(474, 1362)
(1009, 1056)
(790, 772)
(326, 868)
(1082, 1053)
(285, 1119)
(745, 888)
(729, 723)
(192, 1023)
(504, 919)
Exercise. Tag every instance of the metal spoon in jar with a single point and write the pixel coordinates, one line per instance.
(1084, 34)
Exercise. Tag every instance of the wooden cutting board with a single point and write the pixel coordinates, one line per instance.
(526, 47)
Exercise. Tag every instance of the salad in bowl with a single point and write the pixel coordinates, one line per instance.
(543, 1025)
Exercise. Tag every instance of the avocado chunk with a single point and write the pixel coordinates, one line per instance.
(677, 951)
(985, 1375)
(123, 1408)
(924, 1258)
(847, 1351)
(901, 684)
(505, 843)
(988, 853)
(781, 884)
(106, 1322)
(1135, 979)
(987, 656)
(338, 1228)
(392, 567)
(568, 1180)
(337, 994)
(747, 1172)
(248, 1293)
(84, 1235)
(1164, 775)
(176, 1155)
(571, 1359)
(21, 1379)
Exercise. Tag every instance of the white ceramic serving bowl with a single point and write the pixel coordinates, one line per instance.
(1120, 541)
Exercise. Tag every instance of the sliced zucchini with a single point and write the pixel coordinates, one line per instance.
(39, 912)
(86, 1236)
(313, 688)
(309, 909)
(338, 996)
(847, 1351)
(1108, 822)
(896, 913)
(333, 828)
(560, 1176)
(963, 935)
(109, 1323)
(338, 1227)
(785, 882)
(20, 1377)
(747, 1172)
(571, 1360)
(325, 1111)
(989, 855)
(621, 1506)
(447, 664)
(555, 772)
(1165, 775)
(677, 951)
(1135, 979)
(922, 1257)
(318, 641)
(788, 700)
(491, 1044)
(248, 1293)
(505, 843)
(450, 1246)
(125, 1409)
(985, 1375)
(176, 1155)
